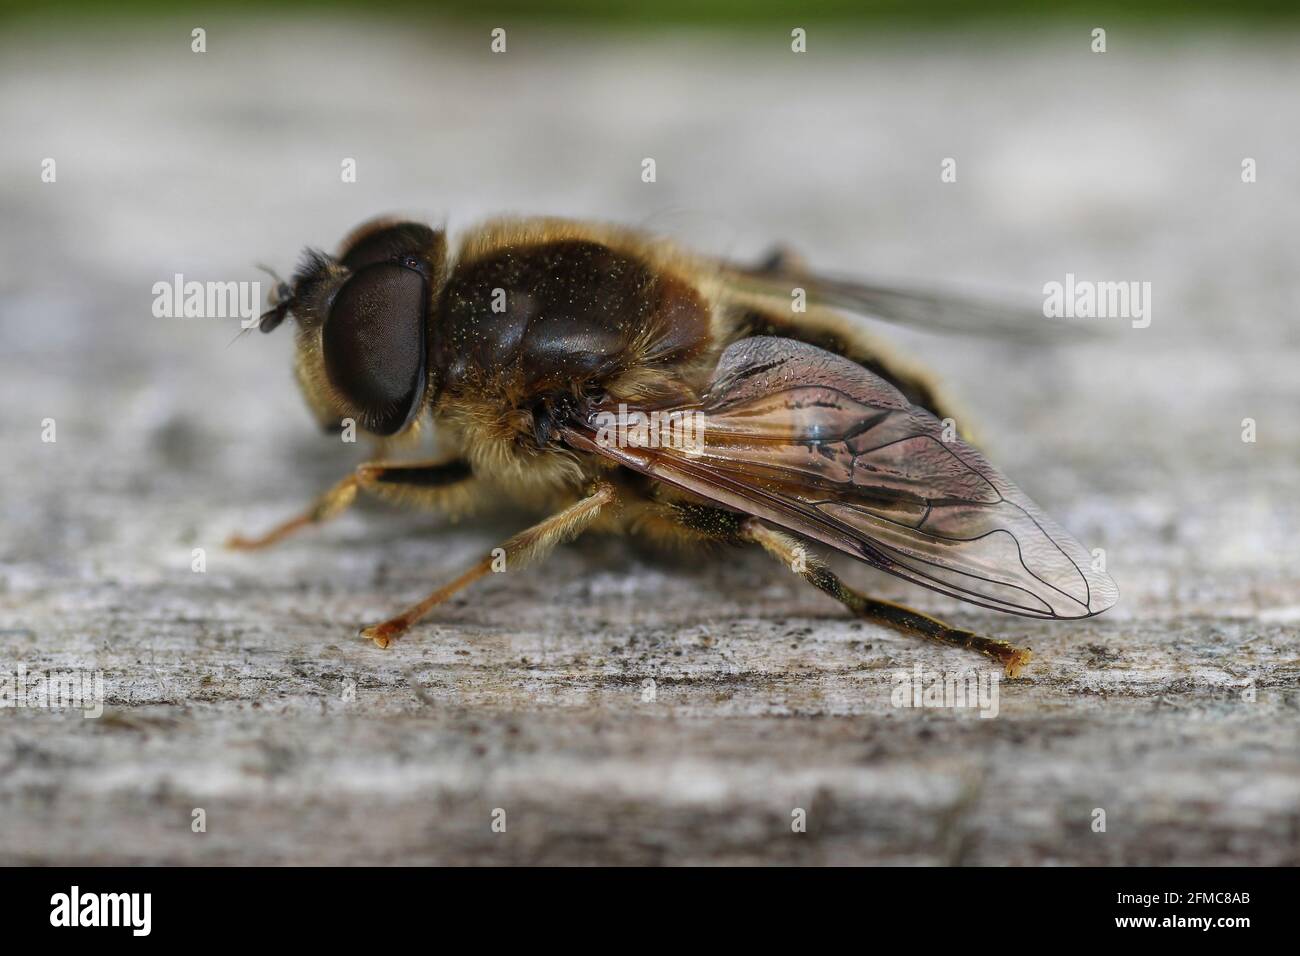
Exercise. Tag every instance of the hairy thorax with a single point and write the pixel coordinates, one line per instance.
(533, 332)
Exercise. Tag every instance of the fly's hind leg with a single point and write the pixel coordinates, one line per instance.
(792, 554)
(527, 546)
(683, 523)
(438, 485)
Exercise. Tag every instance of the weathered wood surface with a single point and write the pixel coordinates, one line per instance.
(1177, 713)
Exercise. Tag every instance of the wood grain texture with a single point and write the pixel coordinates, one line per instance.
(1178, 713)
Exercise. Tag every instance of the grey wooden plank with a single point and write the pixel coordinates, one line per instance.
(1176, 713)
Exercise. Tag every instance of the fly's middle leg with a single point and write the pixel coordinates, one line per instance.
(527, 546)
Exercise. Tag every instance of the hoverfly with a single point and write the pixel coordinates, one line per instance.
(521, 347)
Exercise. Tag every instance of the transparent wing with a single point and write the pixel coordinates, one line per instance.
(925, 309)
(815, 443)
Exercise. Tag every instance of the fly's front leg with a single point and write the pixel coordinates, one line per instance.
(527, 546)
(329, 505)
(791, 553)
(441, 485)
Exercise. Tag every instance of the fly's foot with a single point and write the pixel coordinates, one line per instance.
(387, 632)
(240, 542)
(1014, 659)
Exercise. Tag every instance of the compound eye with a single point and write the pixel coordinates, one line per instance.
(374, 345)
(384, 243)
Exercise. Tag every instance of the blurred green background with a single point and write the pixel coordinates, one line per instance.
(730, 13)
